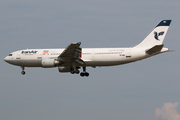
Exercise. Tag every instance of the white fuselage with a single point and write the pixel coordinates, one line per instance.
(74, 57)
(91, 56)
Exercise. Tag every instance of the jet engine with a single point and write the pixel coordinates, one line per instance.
(64, 69)
(48, 63)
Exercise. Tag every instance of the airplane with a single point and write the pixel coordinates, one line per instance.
(73, 57)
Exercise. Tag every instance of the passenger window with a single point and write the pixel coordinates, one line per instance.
(10, 54)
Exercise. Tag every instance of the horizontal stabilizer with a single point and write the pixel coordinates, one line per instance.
(155, 49)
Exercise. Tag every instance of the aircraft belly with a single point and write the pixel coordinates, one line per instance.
(104, 63)
(31, 63)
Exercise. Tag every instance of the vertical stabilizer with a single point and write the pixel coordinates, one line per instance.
(157, 36)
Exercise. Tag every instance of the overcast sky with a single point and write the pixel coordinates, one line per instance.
(144, 90)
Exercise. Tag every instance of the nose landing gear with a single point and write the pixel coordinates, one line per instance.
(23, 72)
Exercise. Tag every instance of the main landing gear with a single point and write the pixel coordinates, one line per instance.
(75, 71)
(82, 74)
(23, 72)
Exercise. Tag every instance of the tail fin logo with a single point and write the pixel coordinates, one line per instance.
(156, 35)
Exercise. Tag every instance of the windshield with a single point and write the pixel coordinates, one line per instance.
(10, 54)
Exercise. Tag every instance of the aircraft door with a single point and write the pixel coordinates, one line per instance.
(93, 55)
(39, 56)
(18, 58)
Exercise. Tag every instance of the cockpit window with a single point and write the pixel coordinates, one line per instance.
(10, 54)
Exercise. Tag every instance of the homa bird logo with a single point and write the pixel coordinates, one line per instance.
(156, 35)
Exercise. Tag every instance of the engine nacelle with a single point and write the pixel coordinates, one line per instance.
(48, 63)
(64, 69)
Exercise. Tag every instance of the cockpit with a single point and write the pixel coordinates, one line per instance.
(10, 54)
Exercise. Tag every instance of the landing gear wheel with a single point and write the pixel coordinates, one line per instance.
(84, 74)
(72, 72)
(76, 71)
(23, 72)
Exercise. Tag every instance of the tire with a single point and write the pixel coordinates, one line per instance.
(86, 74)
(82, 74)
(77, 71)
(23, 72)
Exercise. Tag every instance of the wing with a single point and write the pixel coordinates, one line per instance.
(71, 54)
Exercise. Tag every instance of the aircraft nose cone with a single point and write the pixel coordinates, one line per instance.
(6, 59)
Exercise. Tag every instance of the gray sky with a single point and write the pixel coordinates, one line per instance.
(147, 89)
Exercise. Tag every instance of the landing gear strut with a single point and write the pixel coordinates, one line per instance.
(84, 73)
(75, 70)
(23, 72)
